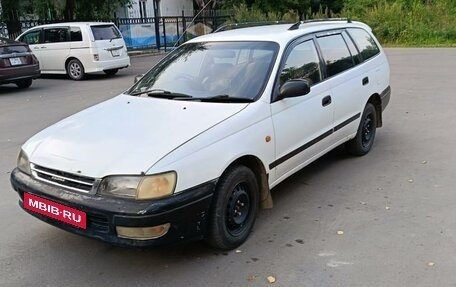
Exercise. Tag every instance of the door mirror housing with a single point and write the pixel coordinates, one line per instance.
(138, 77)
(294, 88)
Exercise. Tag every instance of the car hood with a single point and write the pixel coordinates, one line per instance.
(124, 135)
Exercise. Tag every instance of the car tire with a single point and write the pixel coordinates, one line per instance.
(111, 72)
(24, 84)
(75, 70)
(364, 139)
(234, 208)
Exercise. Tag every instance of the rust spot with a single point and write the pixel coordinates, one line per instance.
(267, 139)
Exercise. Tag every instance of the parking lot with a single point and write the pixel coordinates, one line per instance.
(385, 219)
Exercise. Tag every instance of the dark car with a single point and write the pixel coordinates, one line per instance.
(17, 63)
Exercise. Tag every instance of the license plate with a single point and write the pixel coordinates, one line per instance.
(115, 53)
(15, 61)
(55, 210)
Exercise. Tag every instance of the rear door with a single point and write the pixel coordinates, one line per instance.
(15, 55)
(55, 48)
(302, 125)
(108, 42)
(345, 81)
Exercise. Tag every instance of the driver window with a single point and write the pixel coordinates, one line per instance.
(302, 63)
(32, 37)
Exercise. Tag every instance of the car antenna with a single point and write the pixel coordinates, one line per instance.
(191, 22)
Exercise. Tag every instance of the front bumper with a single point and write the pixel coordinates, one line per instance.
(186, 211)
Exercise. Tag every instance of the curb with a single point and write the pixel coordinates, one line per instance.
(145, 53)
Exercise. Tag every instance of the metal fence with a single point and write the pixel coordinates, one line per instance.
(147, 33)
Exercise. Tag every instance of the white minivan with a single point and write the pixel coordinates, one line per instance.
(192, 150)
(77, 48)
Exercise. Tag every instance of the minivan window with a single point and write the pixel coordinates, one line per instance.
(335, 53)
(55, 35)
(364, 42)
(75, 34)
(105, 32)
(302, 63)
(31, 38)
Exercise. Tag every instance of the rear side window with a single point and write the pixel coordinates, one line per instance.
(365, 43)
(302, 63)
(31, 38)
(55, 35)
(75, 34)
(335, 53)
(105, 32)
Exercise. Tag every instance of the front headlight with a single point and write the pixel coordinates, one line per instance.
(23, 163)
(139, 187)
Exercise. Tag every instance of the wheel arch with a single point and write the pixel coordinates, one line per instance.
(377, 102)
(257, 166)
(68, 60)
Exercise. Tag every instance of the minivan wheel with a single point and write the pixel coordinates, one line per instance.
(234, 208)
(111, 72)
(24, 84)
(364, 139)
(75, 70)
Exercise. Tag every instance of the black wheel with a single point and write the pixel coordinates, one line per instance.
(364, 139)
(75, 70)
(234, 208)
(24, 84)
(111, 72)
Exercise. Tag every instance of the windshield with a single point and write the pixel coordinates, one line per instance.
(211, 70)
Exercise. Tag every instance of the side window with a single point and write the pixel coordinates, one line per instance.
(75, 34)
(31, 38)
(335, 53)
(55, 35)
(365, 43)
(353, 51)
(302, 63)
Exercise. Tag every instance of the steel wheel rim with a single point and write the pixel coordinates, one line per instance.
(367, 131)
(238, 209)
(75, 70)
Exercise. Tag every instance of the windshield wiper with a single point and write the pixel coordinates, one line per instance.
(160, 93)
(225, 99)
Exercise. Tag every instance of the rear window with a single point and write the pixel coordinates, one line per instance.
(13, 49)
(105, 32)
(365, 43)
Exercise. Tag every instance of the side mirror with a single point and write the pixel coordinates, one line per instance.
(294, 88)
(138, 77)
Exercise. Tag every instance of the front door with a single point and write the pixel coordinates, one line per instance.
(302, 125)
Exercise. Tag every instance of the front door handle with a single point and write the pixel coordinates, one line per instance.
(326, 101)
(365, 81)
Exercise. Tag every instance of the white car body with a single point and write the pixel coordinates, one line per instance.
(54, 56)
(201, 143)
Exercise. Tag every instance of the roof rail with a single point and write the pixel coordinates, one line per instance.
(233, 26)
(296, 25)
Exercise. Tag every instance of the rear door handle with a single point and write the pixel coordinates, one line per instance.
(326, 101)
(365, 81)
(43, 47)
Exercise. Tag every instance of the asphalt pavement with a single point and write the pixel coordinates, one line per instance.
(385, 219)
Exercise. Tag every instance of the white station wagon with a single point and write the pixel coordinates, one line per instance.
(192, 150)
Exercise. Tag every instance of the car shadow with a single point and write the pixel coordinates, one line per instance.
(88, 77)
